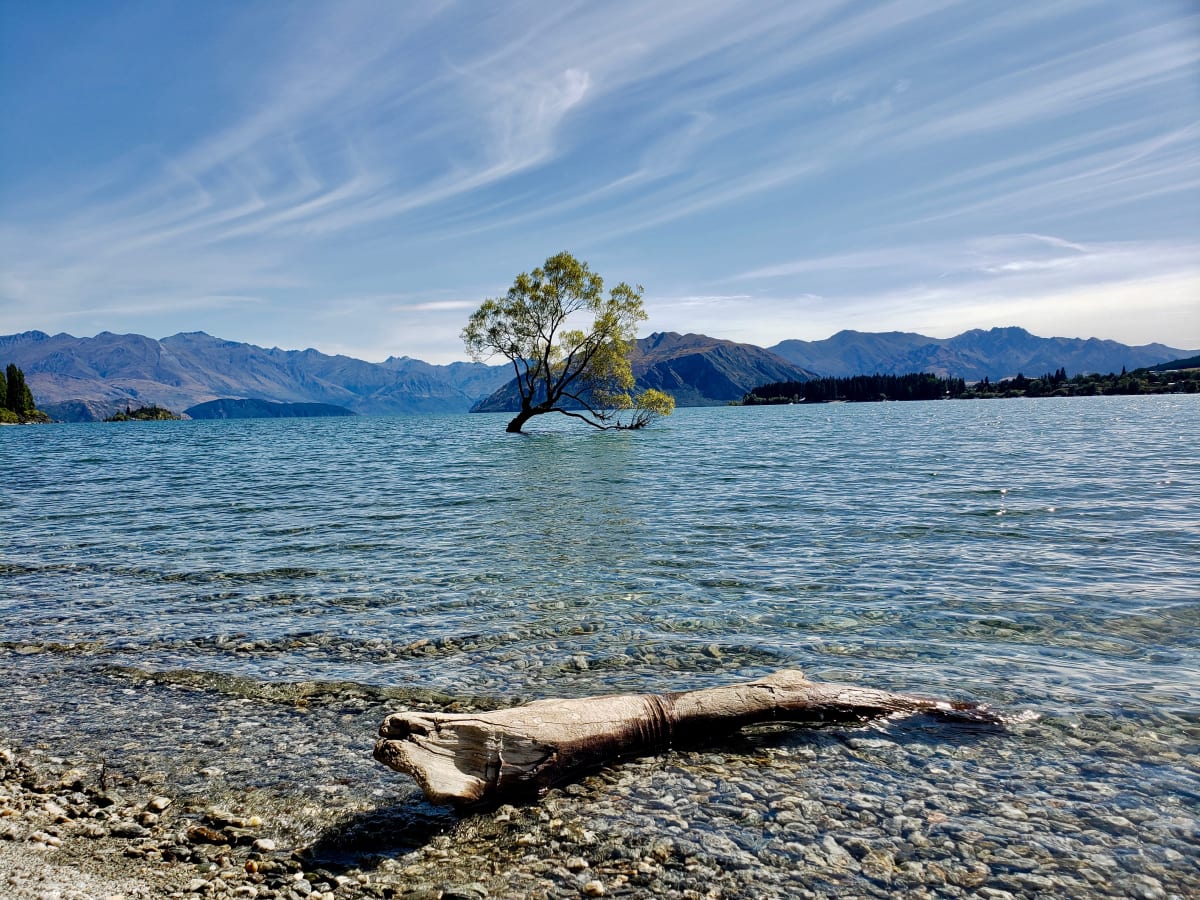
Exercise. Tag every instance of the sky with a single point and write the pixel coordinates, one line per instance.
(357, 177)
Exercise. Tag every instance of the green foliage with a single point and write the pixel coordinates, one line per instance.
(16, 395)
(152, 413)
(1057, 384)
(561, 367)
(924, 386)
(857, 389)
(18, 403)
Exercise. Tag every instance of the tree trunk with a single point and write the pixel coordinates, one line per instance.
(518, 753)
(518, 422)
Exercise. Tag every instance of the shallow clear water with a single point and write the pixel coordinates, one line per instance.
(1033, 553)
(1038, 555)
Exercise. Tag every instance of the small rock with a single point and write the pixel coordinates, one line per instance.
(222, 818)
(1008, 811)
(879, 864)
(73, 780)
(128, 830)
(57, 814)
(837, 856)
(1144, 887)
(594, 888)
(264, 845)
(202, 834)
(158, 804)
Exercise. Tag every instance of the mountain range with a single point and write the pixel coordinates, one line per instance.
(82, 379)
(996, 353)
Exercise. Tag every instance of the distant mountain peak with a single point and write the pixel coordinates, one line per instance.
(997, 352)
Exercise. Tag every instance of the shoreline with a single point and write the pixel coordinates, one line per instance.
(903, 809)
(73, 834)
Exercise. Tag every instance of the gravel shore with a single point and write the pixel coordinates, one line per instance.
(138, 786)
(860, 812)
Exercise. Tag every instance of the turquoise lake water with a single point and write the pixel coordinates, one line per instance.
(1032, 553)
(1036, 555)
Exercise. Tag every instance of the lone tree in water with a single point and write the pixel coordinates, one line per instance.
(564, 369)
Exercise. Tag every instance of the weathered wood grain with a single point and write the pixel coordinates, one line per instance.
(517, 753)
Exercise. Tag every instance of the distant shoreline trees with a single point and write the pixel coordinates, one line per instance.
(1057, 384)
(857, 389)
(926, 386)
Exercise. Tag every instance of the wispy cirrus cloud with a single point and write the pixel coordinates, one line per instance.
(1039, 281)
(372, 149)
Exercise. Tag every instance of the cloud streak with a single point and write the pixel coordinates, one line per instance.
(920, 147)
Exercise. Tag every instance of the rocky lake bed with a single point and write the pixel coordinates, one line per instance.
(235, 790)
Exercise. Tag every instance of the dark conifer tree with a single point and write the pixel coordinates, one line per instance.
(14, 394)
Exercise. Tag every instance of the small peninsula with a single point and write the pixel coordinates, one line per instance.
(152, 413)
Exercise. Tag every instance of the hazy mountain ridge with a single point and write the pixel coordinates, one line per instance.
(81, 379)
(994, 353)
(78, 378)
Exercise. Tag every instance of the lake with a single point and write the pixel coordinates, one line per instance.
(248, 597)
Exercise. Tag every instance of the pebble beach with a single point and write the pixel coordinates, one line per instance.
(900, 808)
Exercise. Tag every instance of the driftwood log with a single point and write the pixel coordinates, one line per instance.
(469, 759)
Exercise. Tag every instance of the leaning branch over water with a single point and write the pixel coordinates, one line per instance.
(467, 759)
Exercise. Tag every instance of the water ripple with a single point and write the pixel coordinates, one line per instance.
(1042, 552)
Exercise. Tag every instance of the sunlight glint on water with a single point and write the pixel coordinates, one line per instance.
(1027, 552)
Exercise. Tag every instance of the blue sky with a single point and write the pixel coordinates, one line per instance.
(357, 177)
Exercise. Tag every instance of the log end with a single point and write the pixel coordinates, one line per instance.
(462, 760)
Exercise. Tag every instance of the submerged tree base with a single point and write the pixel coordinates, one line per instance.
(518, 753)
(641, 415)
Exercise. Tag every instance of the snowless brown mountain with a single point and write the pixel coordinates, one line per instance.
(84, 379)
(81, 379)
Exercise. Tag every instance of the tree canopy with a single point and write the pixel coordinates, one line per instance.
(16, 400)
(562, 367)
